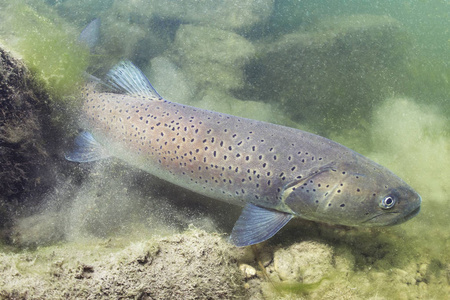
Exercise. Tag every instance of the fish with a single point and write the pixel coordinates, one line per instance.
(274, 172)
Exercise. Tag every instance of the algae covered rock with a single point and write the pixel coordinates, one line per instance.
(170, 82)
(223, 102)
(193, 265)
(234, 14)
(333, 72)
(210, 57)
(24, 160)
(139, 30)
(230, 15)
(307, 262)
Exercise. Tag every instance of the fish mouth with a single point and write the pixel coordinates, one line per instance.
(405, 218)
(396, 221)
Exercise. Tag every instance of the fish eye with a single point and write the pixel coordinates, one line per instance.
(387, 202)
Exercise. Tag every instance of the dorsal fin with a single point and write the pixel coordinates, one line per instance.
(125, 77)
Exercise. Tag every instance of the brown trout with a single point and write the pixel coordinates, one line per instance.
(274, 172)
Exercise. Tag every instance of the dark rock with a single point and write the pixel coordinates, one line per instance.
(25, 163)
(332, 73)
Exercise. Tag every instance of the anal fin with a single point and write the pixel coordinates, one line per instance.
(257, 224)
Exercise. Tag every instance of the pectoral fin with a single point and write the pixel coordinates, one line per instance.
(257, 224)
(87, 149)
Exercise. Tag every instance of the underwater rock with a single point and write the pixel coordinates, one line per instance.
(220, 101)
(344, 260)
(131, 38)
(234, 14)
(237, 15)
(307, 262)
(331, 73)
(210, 57)
(122, 38)
(193, 265)
(24, 160)
(139, 30)
(169, 80)
(403, 277)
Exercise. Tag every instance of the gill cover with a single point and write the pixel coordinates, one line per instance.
(303, 196)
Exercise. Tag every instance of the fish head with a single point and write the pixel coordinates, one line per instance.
(360, 193)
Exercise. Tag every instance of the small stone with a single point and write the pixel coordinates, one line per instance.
(248, 271)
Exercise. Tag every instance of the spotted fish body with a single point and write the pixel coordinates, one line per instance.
(275, 172)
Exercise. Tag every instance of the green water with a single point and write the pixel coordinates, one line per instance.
(372, 75)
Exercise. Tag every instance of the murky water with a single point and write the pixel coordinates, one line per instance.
(372, 75)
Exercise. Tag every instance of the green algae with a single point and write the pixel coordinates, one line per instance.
(296, 288)
(47, 45)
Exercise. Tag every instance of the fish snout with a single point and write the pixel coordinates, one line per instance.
(406, 205)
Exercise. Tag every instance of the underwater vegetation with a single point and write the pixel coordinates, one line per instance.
(46, 44)
(371, 75)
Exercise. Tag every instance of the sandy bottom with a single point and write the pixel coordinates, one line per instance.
(315, 262)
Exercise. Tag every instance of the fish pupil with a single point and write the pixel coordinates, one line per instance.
(388, 202)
